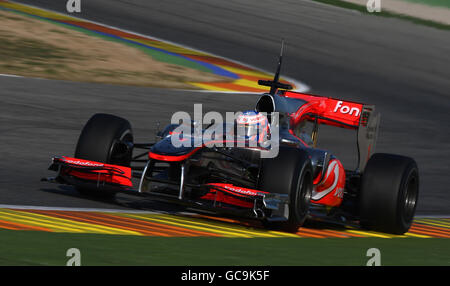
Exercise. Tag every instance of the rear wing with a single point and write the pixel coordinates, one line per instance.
(356, 116)
(326, 110)
(329, 111)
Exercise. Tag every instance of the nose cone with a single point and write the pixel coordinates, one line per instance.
(165, 147)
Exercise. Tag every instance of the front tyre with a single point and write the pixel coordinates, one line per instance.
(389, 193)
(107, 139)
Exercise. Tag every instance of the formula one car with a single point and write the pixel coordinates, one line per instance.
(301, 182)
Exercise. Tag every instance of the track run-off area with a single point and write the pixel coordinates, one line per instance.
(141, 223)
(238, 77)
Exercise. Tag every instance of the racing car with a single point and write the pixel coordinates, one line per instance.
(301, 182)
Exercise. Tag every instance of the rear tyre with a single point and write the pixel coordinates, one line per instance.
(289, 173)
(107, 139)
(389, 193)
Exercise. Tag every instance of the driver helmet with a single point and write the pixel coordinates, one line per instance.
(254, 125)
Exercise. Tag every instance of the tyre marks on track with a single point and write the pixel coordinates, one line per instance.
(188, 225)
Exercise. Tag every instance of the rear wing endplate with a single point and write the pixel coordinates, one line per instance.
(367, 135)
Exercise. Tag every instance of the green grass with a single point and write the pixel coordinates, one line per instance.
(42, 248)
(440, 3)
(384, 13)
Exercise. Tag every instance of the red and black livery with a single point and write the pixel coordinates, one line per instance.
(301, 182)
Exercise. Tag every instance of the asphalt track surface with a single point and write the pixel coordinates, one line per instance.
(401, 67)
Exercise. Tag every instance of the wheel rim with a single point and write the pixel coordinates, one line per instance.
(305, 194)
(410, 201)
(119, 150)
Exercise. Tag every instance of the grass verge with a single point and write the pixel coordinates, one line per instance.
(42, 248)
(439, 3)
(387, 14)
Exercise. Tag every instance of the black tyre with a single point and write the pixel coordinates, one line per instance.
(108, 139)
(389, 193)
(289, 173)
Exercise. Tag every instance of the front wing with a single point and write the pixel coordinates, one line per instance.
(219, 197)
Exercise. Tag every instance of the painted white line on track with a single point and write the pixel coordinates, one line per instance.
(139, 86)
(9, 75)
(218, 91)
(334, 7)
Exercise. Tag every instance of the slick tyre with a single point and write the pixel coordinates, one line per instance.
(108, 139)
(389, 193)
(289, 173)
